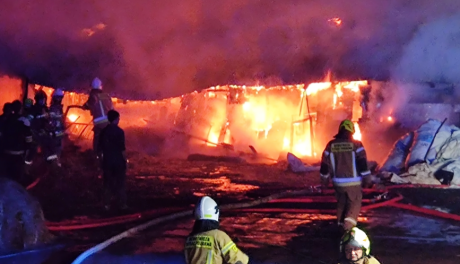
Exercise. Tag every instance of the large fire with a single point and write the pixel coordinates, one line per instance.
(266, 115)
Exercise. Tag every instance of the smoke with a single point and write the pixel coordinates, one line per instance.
(159, 49)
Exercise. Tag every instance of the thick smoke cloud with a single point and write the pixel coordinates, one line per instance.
(158, 49)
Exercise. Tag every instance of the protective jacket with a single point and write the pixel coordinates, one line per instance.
(367, 260)
(56, 125)
(344, 159)
(213, 247)
(99, 104)
(38, 117)
(17, 137)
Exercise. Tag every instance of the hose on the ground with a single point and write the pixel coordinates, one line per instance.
(95, 223)
(178, 215)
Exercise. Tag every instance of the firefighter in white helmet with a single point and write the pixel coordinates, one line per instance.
(356, 248)
(344, 161)
(206, 243)
(99, 104)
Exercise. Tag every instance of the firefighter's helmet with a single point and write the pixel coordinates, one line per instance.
(357, 238)
(96, 84)
(207, 209)
(28, 103)
(347, 125)
(58, 93)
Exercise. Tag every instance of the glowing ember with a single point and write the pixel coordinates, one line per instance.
(336, 21)
(72, 118)
(357, 135)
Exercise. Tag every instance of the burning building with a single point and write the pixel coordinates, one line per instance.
(291, 118)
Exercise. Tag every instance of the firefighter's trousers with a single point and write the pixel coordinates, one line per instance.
(349, 200)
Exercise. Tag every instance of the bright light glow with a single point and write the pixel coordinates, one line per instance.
(72, 117)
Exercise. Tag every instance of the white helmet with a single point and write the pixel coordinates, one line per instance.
(96, 84)
(207, 209)
(58, 93)
(357, 238)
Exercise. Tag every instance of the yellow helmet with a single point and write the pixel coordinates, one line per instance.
(347, 125)
(357, 238)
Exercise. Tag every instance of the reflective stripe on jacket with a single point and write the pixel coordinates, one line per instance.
(99, 104)
(213, 247)
(367, 260)
(345, 161)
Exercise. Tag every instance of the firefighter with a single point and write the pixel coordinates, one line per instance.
(17, 139)
(355, 248)
(99, 104)
(41, 128)
(112, 145)
(56, 128)
(344, 160)
(28, 109)
(7, 112)
(206, 243)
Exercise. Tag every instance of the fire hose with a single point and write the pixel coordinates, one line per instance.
(244, 207)
(178, 215)
(175, 216)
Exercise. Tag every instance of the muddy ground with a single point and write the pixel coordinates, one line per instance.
(155, 183)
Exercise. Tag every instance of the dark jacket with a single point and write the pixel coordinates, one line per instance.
(56, 124)
(112, 145)
(344, 159)
(17, 136)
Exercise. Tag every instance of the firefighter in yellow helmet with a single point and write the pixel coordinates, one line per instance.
(355, 248)
(206, 244)
(344, 161)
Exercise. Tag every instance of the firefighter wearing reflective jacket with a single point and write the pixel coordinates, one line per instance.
(344, 160)
(56, 125)
(41, 127)
(17, 142)
(99, 104)
(207, 244)
(355, 248)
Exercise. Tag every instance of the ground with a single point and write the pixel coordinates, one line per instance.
(273, 237)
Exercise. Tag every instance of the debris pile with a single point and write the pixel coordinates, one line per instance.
(429, 155)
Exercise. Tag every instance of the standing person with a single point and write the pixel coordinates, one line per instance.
(56, 123)
(17, 148)
(99, 104)
(344, 160)
(206, 243)
(7, 112)
(112, 146)
(355, 248)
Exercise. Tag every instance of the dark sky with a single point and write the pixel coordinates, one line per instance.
(157, 49)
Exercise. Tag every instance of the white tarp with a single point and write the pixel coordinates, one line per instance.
(444, 155)
(424, 137)
(395, 161)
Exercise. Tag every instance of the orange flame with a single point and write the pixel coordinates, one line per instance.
(357, 135)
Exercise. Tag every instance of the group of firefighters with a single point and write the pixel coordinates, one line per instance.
(344, 162)
(27, 128)
(33, 127)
